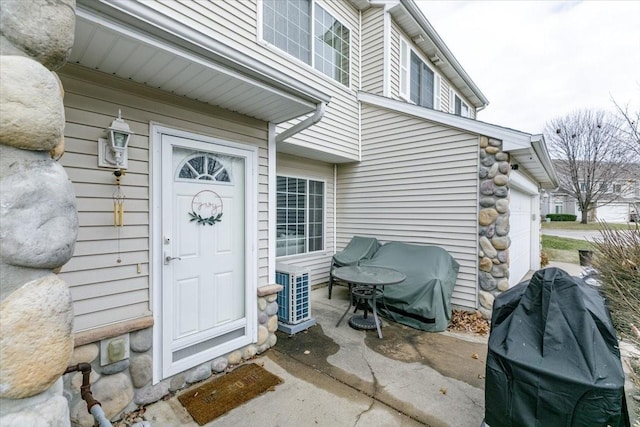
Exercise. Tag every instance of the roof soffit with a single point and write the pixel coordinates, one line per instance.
(122, 31)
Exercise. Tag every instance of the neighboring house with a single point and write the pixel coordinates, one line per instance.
(619, 202)
(354, 118)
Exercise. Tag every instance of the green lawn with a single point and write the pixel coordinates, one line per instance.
(568, 225)
(563, 249)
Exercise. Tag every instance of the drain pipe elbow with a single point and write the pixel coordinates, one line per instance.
(309, 121)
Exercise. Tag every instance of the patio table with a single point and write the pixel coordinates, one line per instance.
(366, 283)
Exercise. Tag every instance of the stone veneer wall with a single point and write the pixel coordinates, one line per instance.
(493, 220)
(38, 217)
(124, 386)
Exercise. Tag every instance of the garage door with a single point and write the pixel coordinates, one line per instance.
(614, 212)
(520, 232)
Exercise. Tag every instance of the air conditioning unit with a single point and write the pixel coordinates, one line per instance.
(294, 301)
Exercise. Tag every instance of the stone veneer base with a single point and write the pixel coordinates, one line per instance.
(123, 386)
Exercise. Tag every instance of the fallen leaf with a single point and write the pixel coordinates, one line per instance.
(469, 321)
(474, 356)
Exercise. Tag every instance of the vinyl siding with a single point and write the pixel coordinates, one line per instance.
(103, 290)
(316, 262)
(394, 67)
(234, 23)
(373, 50)
(445, 101)
(417, 183)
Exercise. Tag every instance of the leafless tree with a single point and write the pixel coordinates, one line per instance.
(630, 130)
(589, 157)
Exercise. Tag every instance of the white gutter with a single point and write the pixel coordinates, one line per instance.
(511, 138)
(513, 141)
(540, 148)
(299, 127)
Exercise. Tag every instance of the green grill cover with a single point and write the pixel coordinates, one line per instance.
(357, 249)
(553, 357)
(423, 300)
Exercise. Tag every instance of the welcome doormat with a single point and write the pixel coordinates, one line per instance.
(222, 394)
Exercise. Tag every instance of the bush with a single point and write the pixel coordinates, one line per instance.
(561, 217)
(617, 260)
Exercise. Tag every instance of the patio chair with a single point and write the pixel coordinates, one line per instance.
(359, 248)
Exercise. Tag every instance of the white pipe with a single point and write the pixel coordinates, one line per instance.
(309, 121)
(98, 415)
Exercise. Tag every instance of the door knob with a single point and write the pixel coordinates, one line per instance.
(169, 258)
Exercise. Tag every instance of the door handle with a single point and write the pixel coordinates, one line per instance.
(169, 258)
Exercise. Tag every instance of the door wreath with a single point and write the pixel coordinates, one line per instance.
(206, 208)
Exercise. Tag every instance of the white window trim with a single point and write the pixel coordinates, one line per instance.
(452, 103)
(405, 57)
(311, 64)
(324, 215)
(437, 92)
(404, 89)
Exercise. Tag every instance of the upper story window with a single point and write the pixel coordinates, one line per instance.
(418, 82)
(421, 82)
(460, 108)
(306, 31)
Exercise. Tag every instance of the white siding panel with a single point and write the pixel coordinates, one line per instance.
(316, 262)
(104, 290)
(394, 67)
(445, 102)
(417, 183)
(373, 50)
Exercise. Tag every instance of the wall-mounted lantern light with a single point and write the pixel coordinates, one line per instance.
(112, 151)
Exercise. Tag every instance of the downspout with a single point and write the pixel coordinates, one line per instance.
(273, 140)
(309, 121)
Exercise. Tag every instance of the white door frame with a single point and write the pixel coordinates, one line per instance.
(250, 153)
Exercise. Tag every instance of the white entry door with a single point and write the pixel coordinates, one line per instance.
(207, 299)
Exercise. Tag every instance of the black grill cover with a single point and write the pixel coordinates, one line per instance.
(553, 357)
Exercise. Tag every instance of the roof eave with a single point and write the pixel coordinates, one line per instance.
(521, 145)
(139, 18)
(430, 31)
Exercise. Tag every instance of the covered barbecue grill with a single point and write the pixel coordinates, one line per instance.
(553, 357)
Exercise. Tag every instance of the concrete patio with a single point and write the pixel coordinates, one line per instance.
(338, 376)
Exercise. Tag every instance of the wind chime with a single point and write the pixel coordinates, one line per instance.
(118, 208)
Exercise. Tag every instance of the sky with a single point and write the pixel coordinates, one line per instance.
(538, 60)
